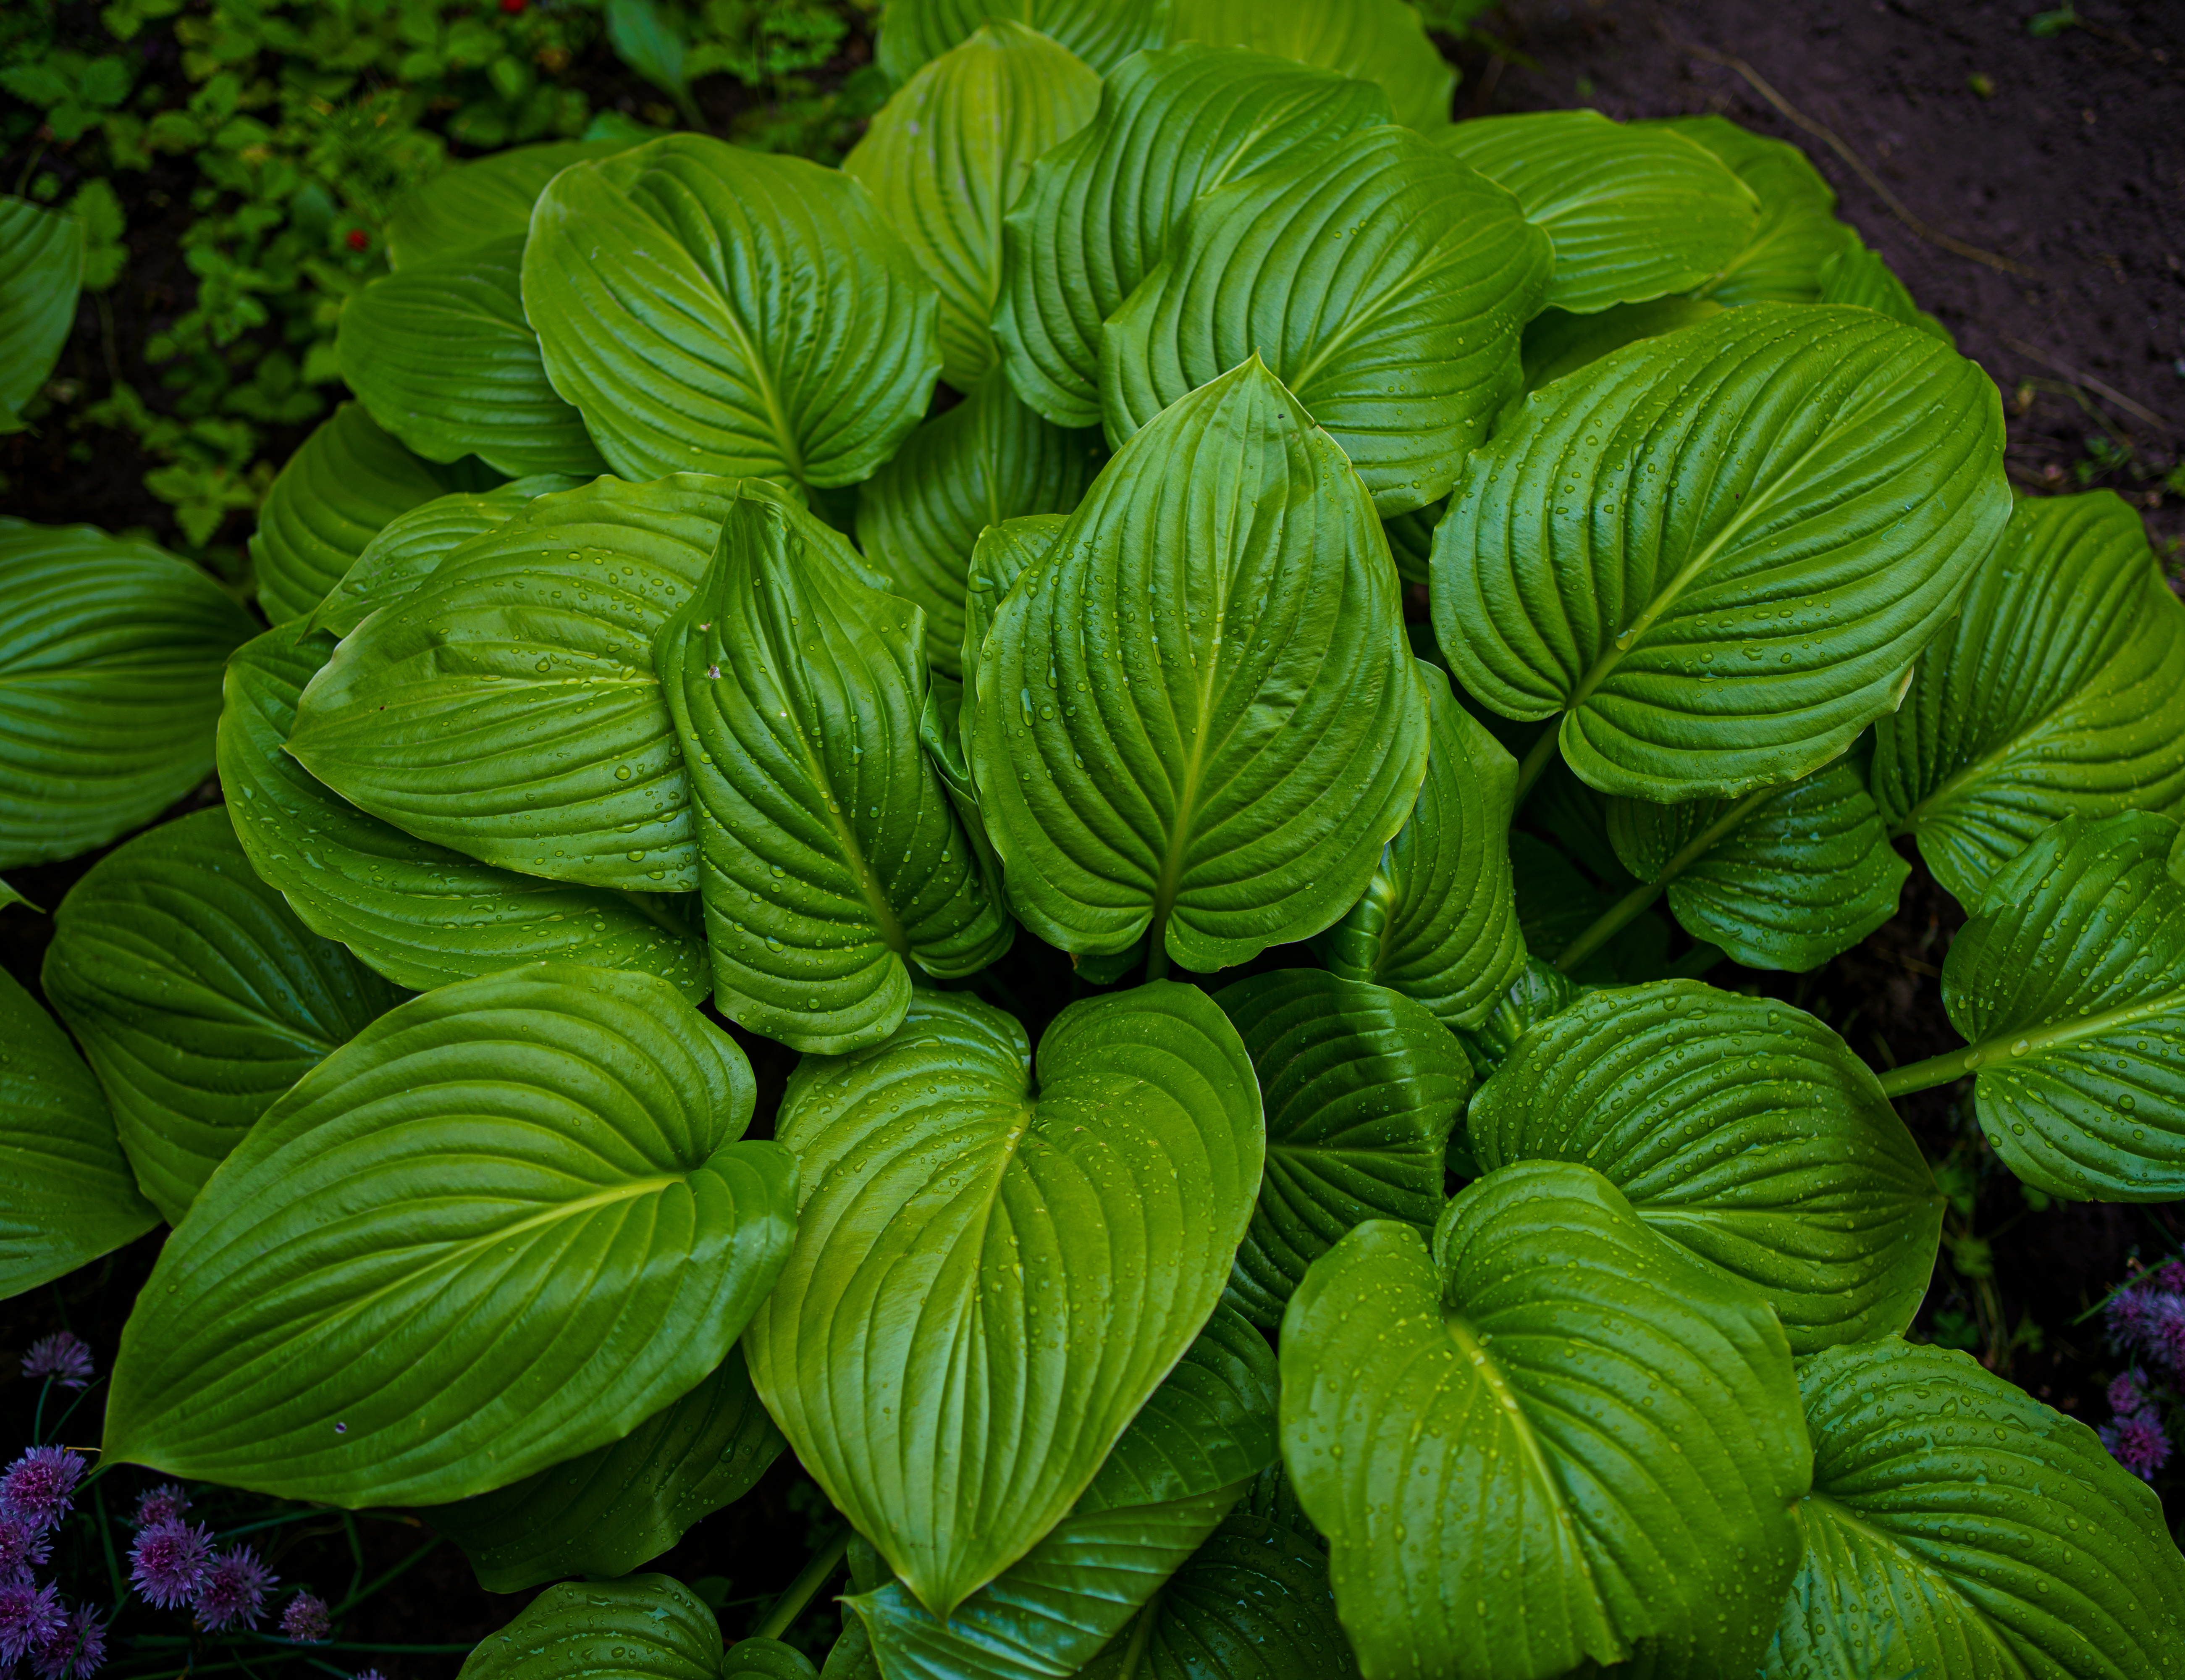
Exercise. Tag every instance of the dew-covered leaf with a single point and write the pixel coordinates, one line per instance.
(410, 547)
(648, 1627)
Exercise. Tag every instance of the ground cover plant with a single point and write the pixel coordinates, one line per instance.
(1220, 1221)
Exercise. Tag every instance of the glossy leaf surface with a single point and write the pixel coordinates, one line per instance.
(1797, 231)
(994, 1270)
(1717, 553)
(485, 200)
(1558, 342)
(1376, 40)
(1101, 32)
(1856, 275)
(1001, 552)
(41, 273)
(1199, 717)
(648, 1627)
(1540, 991)
(503, 1225)
(411, 547)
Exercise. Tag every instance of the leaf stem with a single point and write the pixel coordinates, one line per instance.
(1612, 920)
(1947, 1069)
(791, 1604)
(1157, 960)
(1537, 758)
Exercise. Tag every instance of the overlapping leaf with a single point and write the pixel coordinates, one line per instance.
(1001, 552)
(1540, 991)
(1376, 40)
(1384, 282)
(648, 1627)
(1797, 231)
(1856, 275)
(1716, 554)
(1558, 342)
(41, 274)
(410, 547)
(830, 858)
(110, 654)
(1101, 32)
(476, 203)
(504, 1224)
(994, 1271)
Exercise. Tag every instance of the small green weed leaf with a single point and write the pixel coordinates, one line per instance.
(1361, 1086)
(1439, 919)
(1376, 40)
(475, 204)
(506, 1223)
(2069, 984)
(1634, 213)
(1002, 552)
(1199, 719)
(616, 1508)
(947, 155)
(1100, 206)
(110, 654)
(1742, 1129)
(1206, 1433)
(648, 1627)
(2006, 1541)
(831, 857)
(442, 356)
(410, 547)
(1540, 990)
(988, 460)
(1718, 553)
(197, 996)
(66, 1193)
(993, 1270)
(1559, 342)
(41, 254)
(1797, 231)
(2055, 692)
(1384, 282)
(422, 915)
(1856, 275)
(1558, 1438)
(1786, 877)
(710, 308)
(1101, 32)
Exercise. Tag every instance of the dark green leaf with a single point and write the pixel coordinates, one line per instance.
(647, 1627)
(1558, 342)
(1102, 33)
(767, 1660)
(41, 273)
(1540, 991)
(1856, 275)
(1378, 41)
(1797, 231)
(1001, 552)
(476, 203)
(411, 547)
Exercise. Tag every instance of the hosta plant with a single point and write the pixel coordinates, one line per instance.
(1219, 1222)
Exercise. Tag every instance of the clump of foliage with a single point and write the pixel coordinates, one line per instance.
(647, 631)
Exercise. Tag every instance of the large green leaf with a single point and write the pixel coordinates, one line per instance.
(1361, 1086)
(1558, 1438)
(476, 203)
(831, 858)
(1099, 208)
(1384, 282)
(715, 309)
(411, 547)
(1717, 553)
(1438, 921)
(197, 996)
(66, 1193)
(1101, 32)
(1001, 552)
(1559, 342)
(988, 460)
(1958, 1530)
(2069, 982)
(2055, 692)
(1200, 722)
(1786, 877)
(948, 154)
(110, 654)
(41, 274)
(422, 915)
(648, 1627)
(1797, 231)
(1187, 1458)
(1856, 275)
(1743, 1130)
(994, 1271)
(1634, 213)
(336, 493)
(1540, 991)
(1378, 41)
(608, 1511)
(506, 1223)
(443, 357)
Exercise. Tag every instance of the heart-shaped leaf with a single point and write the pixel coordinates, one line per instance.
(2069, 984)
(1439, 919)
(1959, 1529)
(1199, 720)
(648, 1627)
(1634, 213)
(1101, 32)
(476, 203)
(1098, 210)
(1797, 231)
(197, 996)
(988, 460)
(411, 547)
(41, 273)
(504, 1224)
(110, 654)
(1200, 1441)
(1361, 1086)
(830, 858)
(947, 155)
(66, 1193)
(1717, 553)
(1856, 275)
(1384, 282)
(993, 1272)
(1786, 877)
(419, 914)
(616, 1508)
(710, 308)
(2054, 692)
(443, 357)
(1558, 1438)
(1742, 1129)
(1377, 41)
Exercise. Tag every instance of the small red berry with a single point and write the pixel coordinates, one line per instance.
(513, 7)
(358, 240)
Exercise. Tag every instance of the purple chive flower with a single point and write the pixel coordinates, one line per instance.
(62, 1358)
(169, 1563)
(162, 1505)
(2137, 1441)
(371, 1674)
(307, 1620)
(39, 1485)
(23, 1543)
(30, 1616)
(233, 1590)
(76, 1651)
